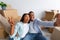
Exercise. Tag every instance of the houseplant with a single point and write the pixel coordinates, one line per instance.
(3, 5)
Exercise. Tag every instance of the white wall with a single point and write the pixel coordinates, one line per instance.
(38, 6)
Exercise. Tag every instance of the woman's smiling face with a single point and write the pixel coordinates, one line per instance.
(26, 18)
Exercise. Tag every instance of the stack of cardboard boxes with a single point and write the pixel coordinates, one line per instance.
(7, 13)
(1, 31)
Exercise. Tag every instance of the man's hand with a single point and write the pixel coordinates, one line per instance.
(42, 27)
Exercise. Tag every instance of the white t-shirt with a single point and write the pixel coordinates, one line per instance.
(25, 30)
(20, 28)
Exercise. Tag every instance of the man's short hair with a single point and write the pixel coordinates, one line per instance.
(31, 12)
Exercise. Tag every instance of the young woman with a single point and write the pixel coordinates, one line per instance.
(21, 28)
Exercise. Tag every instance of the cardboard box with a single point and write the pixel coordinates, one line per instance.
(4, 14)
(48, 16)
(56, 34)
(10, 13)
(1, 31)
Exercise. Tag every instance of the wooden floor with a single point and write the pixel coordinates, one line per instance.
(46, 34)
(3, 39)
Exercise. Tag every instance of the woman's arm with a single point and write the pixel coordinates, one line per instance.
(11, 21)
(12, 30)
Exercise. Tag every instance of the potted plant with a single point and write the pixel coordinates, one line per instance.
(3, 5)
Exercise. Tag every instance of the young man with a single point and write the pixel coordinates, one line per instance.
(35, 28)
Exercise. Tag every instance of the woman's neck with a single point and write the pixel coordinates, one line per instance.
(25, 22)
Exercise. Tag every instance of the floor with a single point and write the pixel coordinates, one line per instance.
(45, 33)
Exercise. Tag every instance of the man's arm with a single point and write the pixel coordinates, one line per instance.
(45, 23)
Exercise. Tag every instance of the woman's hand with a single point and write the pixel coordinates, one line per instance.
(11, 21)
